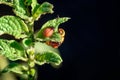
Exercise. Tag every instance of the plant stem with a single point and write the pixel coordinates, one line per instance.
(31, 75)
(31, 54)
(31, 64)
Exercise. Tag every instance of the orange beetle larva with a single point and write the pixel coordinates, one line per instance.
(53, 44)
(47, 32)
(61, 31)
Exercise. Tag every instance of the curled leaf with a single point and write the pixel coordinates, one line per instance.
(52, 23)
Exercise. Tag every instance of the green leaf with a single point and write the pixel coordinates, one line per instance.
(16, 45)
(56, 37)
(42, 47)
(46, 54)
(13, 26)
(27, 42)
(40, 9)
(13, 67)
(48, 57)
(34, 5)
(28, 2)
(52, 23)
(7, 2)
(20, 9)
(12, 52)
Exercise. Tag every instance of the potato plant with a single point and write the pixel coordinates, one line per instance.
(29, 47)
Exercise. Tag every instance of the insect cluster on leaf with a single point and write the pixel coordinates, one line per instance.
(48, 32)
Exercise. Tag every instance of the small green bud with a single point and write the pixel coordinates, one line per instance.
(32, 72)
(32, 57)
(27, 42)
(32, 63)
(31, 51)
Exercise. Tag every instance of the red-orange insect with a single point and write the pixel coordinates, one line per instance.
(61, 31)
(48, 32)
(53, 44)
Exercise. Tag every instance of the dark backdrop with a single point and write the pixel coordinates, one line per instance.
(91, 47)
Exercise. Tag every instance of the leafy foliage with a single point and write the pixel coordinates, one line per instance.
(30, 47)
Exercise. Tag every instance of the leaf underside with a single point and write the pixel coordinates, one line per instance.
(46, 54)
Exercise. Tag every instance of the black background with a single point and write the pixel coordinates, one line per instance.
(91, 47)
